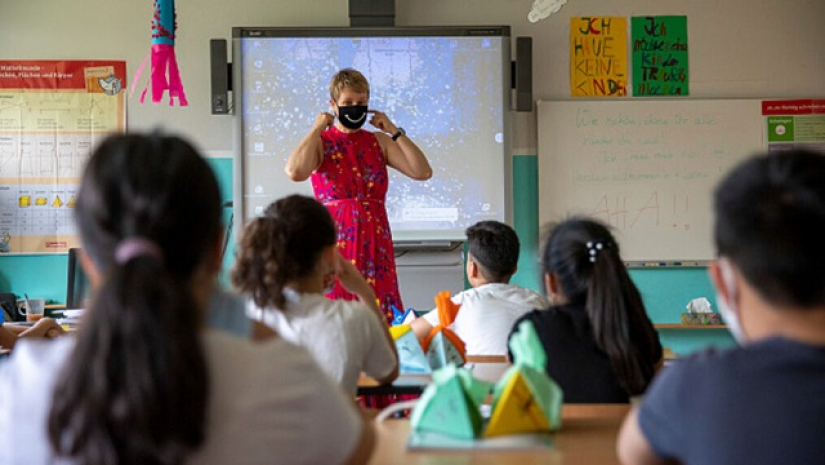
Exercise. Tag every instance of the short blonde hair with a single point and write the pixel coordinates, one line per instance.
(348, 78)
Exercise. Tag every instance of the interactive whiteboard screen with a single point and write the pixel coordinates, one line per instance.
(449, 88)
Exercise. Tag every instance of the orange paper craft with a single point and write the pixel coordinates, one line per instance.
(447, 311)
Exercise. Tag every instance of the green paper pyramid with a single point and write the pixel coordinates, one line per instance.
(410, 356)
(450, 405)
(525, 399)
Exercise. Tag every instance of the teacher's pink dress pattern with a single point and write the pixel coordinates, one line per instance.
(352, 183)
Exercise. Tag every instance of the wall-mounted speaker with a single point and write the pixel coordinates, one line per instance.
(523, 74)
(220, 71)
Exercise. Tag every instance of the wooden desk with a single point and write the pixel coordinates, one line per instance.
(588, 436)
(405, 384)
(408, 383)
(486, 359)
(488, 371)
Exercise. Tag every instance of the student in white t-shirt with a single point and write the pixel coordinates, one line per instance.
(287, 259)
(490, 307)
(143, 380)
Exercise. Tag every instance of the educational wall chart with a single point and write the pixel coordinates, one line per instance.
(795, 124)
(598, 57)
(52, 114)
(660, 55)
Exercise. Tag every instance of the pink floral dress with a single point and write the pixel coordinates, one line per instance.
(352, 183)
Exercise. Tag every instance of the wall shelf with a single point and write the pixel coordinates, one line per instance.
(681, 326)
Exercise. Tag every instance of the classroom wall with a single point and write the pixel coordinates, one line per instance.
(738, 48)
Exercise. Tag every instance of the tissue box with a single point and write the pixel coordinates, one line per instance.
(701, 319)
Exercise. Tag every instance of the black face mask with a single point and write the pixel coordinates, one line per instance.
(353, 116)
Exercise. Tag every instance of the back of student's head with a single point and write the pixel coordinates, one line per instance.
(494, 246)
(770, 221)
(281, 246)
(584, 256)
(135, 389)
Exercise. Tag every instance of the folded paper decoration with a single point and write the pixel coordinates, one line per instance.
(403, 318)
(164, 28)
(442, 345)
(450, 405)
(411, 358)
(525, 400)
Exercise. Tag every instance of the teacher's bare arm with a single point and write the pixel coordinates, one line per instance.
(402, 153)
(307, 157)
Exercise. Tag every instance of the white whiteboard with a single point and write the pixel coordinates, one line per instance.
(646, 167)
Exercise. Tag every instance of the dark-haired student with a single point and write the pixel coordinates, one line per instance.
(143, 381)
(601, 346)
(764, 401)
(490, 307)
(287, 259)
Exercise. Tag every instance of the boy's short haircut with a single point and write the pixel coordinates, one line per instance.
(495, 246)
(348, 78)
(770, 221)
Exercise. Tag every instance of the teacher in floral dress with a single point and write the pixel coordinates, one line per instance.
(348, 169)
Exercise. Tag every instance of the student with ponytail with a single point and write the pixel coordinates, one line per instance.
(144, 381)
(287, 259)
(601, 346)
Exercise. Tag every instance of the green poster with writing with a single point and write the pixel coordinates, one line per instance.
(660, 55)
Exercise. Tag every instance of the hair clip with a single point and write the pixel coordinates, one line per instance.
(594, 248)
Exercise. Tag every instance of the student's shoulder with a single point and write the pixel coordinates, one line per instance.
(41, 352)
(536, 299)
(539, 317)
(228, 349)
(551, 313)
(347, 310)
(715, 366)
(724, 358)
(35, 363)
(744, 360)
(513, 293)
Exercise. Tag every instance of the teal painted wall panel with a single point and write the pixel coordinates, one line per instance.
(223, 171)
(666, 291)
(35, 275)
(45, 275)
(526, 221)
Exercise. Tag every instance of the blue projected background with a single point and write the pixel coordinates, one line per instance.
(447, 92)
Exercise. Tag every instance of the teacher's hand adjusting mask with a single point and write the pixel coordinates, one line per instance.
(352, 116)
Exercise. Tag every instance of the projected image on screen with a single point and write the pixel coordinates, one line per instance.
(446, 92)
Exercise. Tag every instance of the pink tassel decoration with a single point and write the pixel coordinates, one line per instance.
(164, 25)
